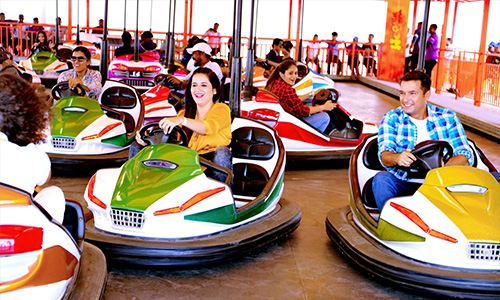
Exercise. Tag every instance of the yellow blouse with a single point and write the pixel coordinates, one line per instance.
(218, 130)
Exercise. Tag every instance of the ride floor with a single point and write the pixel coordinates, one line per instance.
(306, 265)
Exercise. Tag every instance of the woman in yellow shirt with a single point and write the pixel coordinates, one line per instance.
(207, 123)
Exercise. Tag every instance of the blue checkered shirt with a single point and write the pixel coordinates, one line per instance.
(397, 133)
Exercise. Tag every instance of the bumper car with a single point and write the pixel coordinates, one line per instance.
(47, 65)
(86, 133)
(308, 81)
(43, 259)
(91, 42)
(444, 240)
(8, 65)
(303, 141)
(160, 208)
(140, 74)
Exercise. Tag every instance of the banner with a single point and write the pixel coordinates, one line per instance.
(392, 54)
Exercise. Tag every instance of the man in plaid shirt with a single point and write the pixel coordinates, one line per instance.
(404, 127)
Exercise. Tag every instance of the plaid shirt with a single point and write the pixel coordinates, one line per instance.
(92, 80)
(397, 133)
(289, 99)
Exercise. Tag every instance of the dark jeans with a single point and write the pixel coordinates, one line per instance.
(333, 59)
(386, 186)
(429, 65)
(222, 156)
(414, 61)
(370, 64)
(316, 61)
(353, 64)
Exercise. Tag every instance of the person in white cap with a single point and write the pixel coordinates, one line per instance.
(201, 56)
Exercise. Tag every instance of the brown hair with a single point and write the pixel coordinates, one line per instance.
(23, 115)
(281, 68)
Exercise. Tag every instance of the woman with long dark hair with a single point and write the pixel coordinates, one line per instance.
(206, 122)
(42, 43)
(280, 83)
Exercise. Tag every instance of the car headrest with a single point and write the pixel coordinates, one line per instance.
(253, 143)
(119, 97)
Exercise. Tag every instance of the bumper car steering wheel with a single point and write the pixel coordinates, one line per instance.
(324, 95)
(164, 80)
(430, 155)
(62, 90)
(152, 134)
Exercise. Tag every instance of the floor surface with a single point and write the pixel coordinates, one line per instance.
(306, 265)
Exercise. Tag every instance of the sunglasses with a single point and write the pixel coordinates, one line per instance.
(79, 58)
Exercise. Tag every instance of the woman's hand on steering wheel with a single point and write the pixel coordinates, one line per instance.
(167, 124)
(329, 105)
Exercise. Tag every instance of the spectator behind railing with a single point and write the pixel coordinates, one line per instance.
(63, 32)
(5, 35)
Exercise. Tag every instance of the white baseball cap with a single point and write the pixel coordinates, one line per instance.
(203, 47)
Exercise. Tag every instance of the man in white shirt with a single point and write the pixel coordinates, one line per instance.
(313, 53)
(214, 39)
(201, 56)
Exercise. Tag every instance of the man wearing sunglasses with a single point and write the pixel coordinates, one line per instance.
(81, 74)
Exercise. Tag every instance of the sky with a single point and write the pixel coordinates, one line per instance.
(348, 18)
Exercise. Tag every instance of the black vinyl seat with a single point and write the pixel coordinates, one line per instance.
(254, 144)
(119, 97)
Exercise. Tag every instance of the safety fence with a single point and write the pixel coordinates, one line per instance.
(461, 75)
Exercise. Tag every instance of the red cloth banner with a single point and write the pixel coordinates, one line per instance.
(392, 54)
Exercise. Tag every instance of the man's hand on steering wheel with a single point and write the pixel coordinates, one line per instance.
(405, 159)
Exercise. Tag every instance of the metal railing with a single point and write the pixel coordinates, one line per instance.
(459, 75)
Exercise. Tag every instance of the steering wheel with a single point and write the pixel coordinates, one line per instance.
(152, 134)
(262, 64)
(62, 90)
(163, 79)
(324, 95)
(430, 155)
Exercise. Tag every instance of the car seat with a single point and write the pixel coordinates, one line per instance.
(249, 144)
(121, 101)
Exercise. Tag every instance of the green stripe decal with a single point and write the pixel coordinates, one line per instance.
(389, 232)
(228, 215)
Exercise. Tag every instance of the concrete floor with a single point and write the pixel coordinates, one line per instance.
(305, 266)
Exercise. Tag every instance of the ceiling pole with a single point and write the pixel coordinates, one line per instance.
(414, 25)
(298, 45)
(247, 91)
(191, 18)
(235, 87)
(70, 19)
(186, 16)
(454, 21)
(103, 68)
(482, 50)
(423, 37)
(440, 72)
(290, 20)
(88, 16)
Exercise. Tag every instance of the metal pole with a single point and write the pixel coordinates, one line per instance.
(78, 22)
(136, 38)
(235, 88)
(151, 17)
(423, 37)
(301, 30)
(57, 38)
(125, 17)
(171, 48)
(247, 91)
(104, 49)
